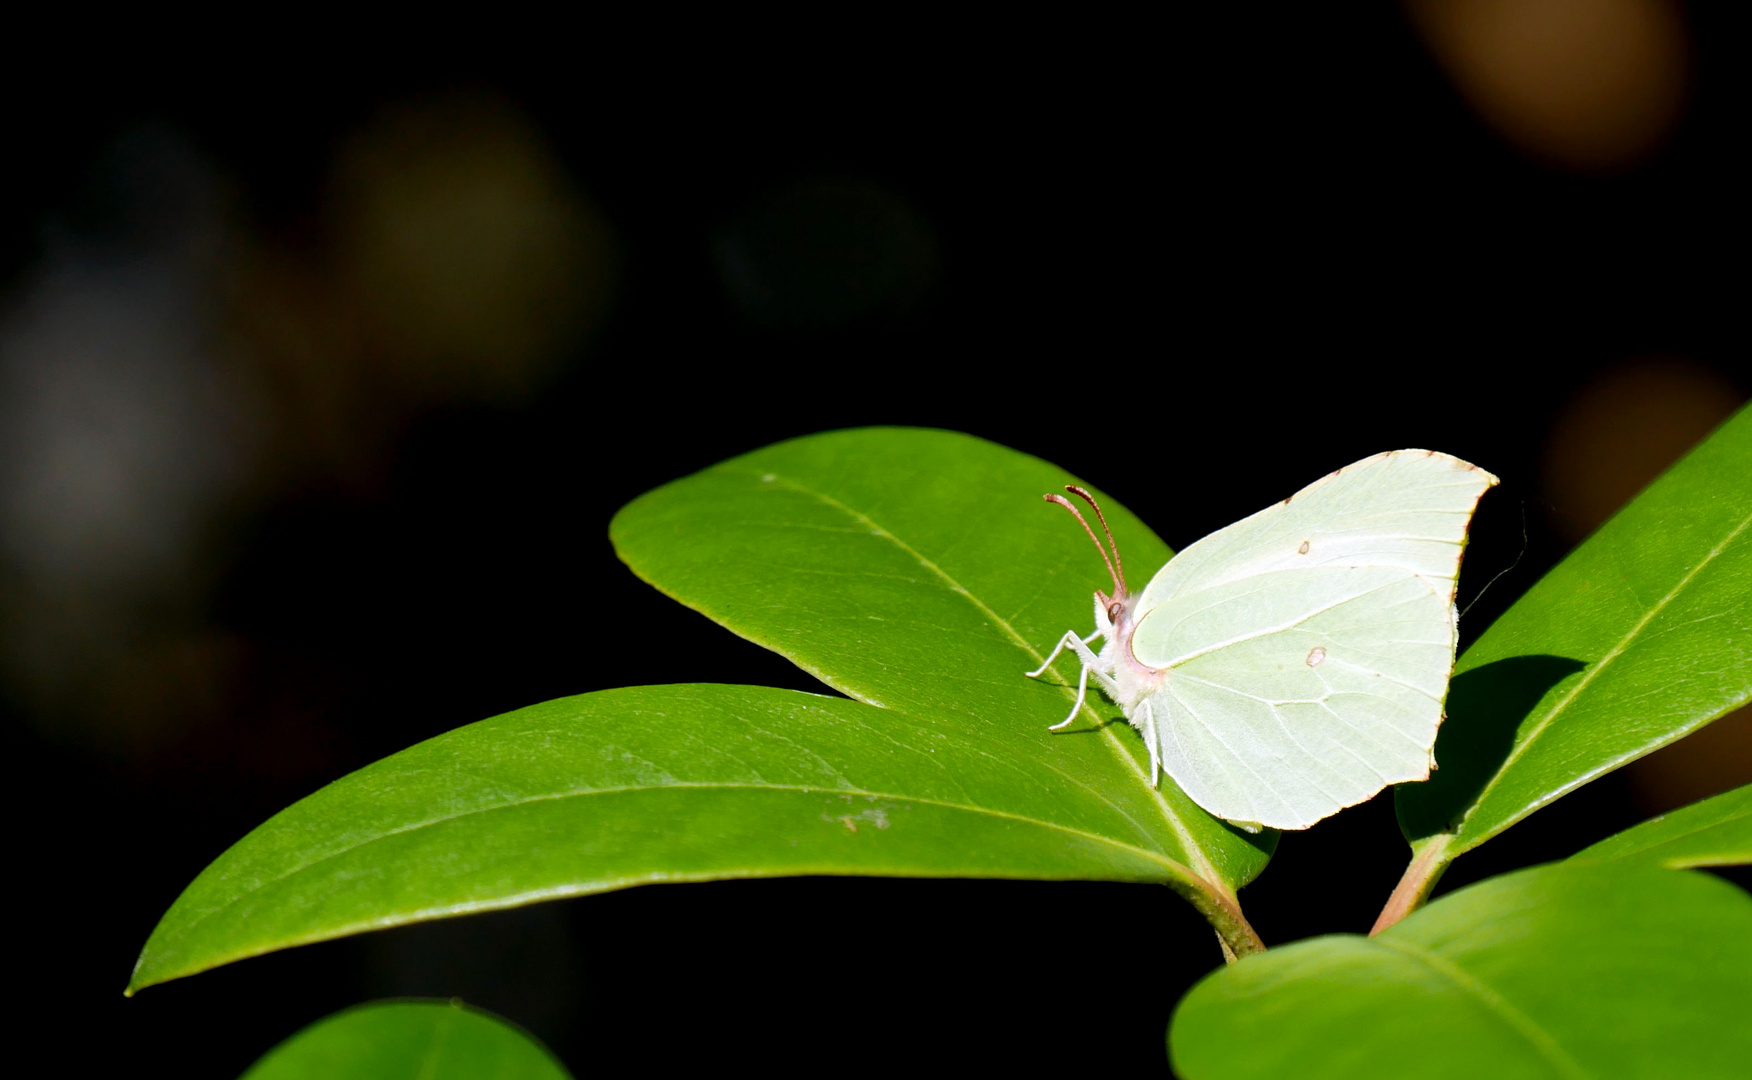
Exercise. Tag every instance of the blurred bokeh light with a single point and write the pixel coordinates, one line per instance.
(1584, 84)
(477, 262)
(123, 433)
(168, 369)
(1622, 429)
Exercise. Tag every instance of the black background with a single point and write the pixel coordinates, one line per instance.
(1199, 262)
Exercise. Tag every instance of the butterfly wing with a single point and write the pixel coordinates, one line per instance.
(1306, 650)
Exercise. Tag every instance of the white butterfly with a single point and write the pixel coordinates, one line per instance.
(1296, 662)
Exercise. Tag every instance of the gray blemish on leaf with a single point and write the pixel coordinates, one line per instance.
(874, 816)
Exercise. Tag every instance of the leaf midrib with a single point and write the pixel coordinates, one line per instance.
(1494, 1004)
(1601, 665)
(435, 1047)
(1202, 865)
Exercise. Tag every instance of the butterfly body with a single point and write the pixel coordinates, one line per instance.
(1297, 661)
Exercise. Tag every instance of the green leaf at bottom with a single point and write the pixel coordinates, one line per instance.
(1567, 971)
(409, 1040)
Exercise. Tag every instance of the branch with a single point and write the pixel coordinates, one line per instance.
(1220, 908)
(1427, 864)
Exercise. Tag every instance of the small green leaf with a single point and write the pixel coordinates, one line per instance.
(1641, 636)
(920, 571)
(1714, 832)
(651, 784)
(409, 1040)
(1565, 971)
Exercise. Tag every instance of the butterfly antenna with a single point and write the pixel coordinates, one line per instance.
(1506, 569)
(1053, 497)
(1118, 566)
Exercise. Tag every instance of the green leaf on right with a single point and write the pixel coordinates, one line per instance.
(1714, 832)
(1641, 636)
(409, 1040)
(1567, 970)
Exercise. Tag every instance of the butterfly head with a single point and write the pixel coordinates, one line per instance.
(1111, 609)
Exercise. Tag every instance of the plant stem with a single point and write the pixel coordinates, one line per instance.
(1229, 956)
(1220, 908)
(1427, 864)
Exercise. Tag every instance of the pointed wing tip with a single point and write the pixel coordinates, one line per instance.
(1458, 464)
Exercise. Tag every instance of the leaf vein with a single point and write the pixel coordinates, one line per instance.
(1494, 1004)
(1202, 867)
(1174, 867)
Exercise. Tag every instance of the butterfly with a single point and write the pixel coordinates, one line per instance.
(1296, 662)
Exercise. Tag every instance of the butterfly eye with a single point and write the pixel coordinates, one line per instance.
(1114, 611)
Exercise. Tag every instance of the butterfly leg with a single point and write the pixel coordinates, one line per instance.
(1088, 661)
(1070, 635)
(1093, 663)
(1082, 689)
(1150, 736)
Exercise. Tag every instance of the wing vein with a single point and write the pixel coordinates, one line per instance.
(1264, 784)
(1268, 631)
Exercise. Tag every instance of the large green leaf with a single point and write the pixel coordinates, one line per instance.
(919, 571)
(409, 1040)
(1562, 971)
(1714, 832)
(649, 784)
(1641, 636)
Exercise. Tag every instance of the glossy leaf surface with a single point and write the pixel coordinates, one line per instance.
(1642, 635)
(649, 784)
(1562, 971)
(920, 571)
(409, 1040)
(1714, 832)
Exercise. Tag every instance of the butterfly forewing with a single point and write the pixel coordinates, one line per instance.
(1306, 650)
(1406, 508)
